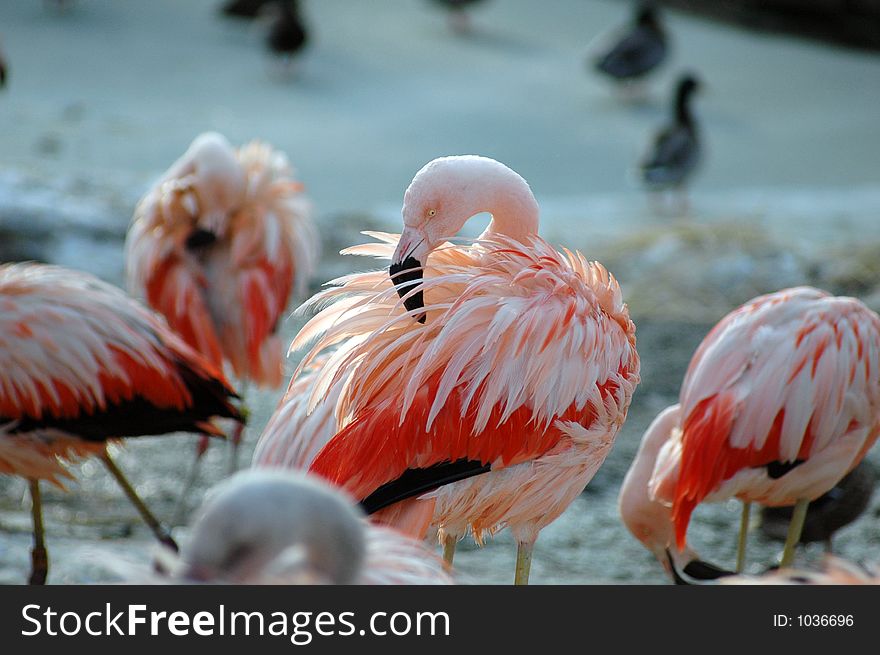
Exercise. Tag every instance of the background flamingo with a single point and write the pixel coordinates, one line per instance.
(273, 527)
(501, 386)
(81, 363)
(780, 401)
(217, 246)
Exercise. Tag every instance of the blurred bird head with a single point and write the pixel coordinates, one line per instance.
(267, 525)
(646, 13)
(689, 83)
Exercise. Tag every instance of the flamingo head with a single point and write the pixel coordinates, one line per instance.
(266, 525)
(441, 198)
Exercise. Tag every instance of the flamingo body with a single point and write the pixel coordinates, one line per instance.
(490, 401)
(217, 246)
(780, 401)
(80, 363)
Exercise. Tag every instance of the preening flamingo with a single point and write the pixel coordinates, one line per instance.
(492, 392)
(279, 527)
(217, 246)
(81, 363)
(780, 401)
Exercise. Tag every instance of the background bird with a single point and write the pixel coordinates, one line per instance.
(838, 507)
(780, 401)
(458, 14)
(489, 394)
(675, 151)
(278, 527)
(219, 245)
(286, 35)
(243, 8)
(80, 364)
(635, 51)
(4, 71)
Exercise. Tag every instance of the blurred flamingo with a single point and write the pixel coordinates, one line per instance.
(780, 401)
(273, 527)
(81, 363)
(217, 246)
(494, 394)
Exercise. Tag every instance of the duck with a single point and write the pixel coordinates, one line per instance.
(675, 151)
(636, 51)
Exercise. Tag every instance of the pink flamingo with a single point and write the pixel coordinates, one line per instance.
(81, 363)
(494, 394)
(278, 527)
(780, 401)
(217, 246)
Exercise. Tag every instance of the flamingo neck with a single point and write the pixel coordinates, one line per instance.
(514, 211)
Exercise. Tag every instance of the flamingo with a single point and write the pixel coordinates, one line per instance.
(217, 246)
(293, 435)
(780, 401)
(491, 392)
(82, 363)
(278, 527)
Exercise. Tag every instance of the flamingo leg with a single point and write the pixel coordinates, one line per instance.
(449, 542)
(148, 517)
(39, 555)
(191, 479)
(523, 562)
(238, 433)
(794, 531)
(743, 537)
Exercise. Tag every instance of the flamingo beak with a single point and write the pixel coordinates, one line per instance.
(697, 570)
(407, 269)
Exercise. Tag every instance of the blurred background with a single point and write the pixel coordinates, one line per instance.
(101, 96)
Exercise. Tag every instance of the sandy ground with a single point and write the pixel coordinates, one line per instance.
(104, 96)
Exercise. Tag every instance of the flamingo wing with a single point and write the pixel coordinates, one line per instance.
(777, 380)
(293, 435)
(514, 348)
(78, 356)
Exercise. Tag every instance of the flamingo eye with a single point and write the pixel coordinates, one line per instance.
(432, 213)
